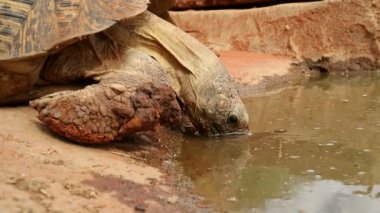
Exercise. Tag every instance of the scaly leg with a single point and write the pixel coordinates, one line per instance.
(123, 103)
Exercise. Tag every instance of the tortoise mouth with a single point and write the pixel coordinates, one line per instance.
(198, 127)
(212, 131)
(215, 130)
(227, 134)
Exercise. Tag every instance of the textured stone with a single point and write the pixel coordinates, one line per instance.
(334, 29)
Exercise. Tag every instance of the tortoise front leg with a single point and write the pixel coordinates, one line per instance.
(133, 98)
(121, 104)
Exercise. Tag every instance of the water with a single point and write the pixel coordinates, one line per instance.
(315, 149)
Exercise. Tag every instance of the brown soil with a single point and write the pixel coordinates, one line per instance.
(41, 172)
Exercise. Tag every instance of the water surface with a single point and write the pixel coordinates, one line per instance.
(315, 148)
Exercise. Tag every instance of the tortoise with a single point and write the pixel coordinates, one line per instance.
(145, 70)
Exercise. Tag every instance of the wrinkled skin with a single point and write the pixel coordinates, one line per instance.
(220, 110)
(108, 112)
(122, 103)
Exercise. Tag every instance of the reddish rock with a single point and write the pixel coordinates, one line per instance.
(335, 29)
(250, 69)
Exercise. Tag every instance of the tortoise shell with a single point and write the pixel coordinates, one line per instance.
(37, 27)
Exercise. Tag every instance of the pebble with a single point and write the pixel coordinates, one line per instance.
(232, 199)
(92, 194)
(140, 208)
(44, 193)
(280, 130)
(173, 199)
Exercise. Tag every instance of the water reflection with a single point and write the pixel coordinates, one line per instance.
(325, 152)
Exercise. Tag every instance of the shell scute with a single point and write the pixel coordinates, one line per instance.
(34, 27)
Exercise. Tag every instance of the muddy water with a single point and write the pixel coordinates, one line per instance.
(315, 148)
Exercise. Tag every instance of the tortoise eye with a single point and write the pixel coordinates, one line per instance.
(233, 119)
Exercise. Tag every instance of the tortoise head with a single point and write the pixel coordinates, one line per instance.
(217, 109)
(198, 76)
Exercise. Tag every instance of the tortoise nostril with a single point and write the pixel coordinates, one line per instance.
(232, 119)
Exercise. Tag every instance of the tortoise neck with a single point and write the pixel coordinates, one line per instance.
(182, 56)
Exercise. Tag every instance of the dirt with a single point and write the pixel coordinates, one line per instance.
(41, 172)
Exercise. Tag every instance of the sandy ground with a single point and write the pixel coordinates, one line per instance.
(41, 172)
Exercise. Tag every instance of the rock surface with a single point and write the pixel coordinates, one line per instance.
(337, 29)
